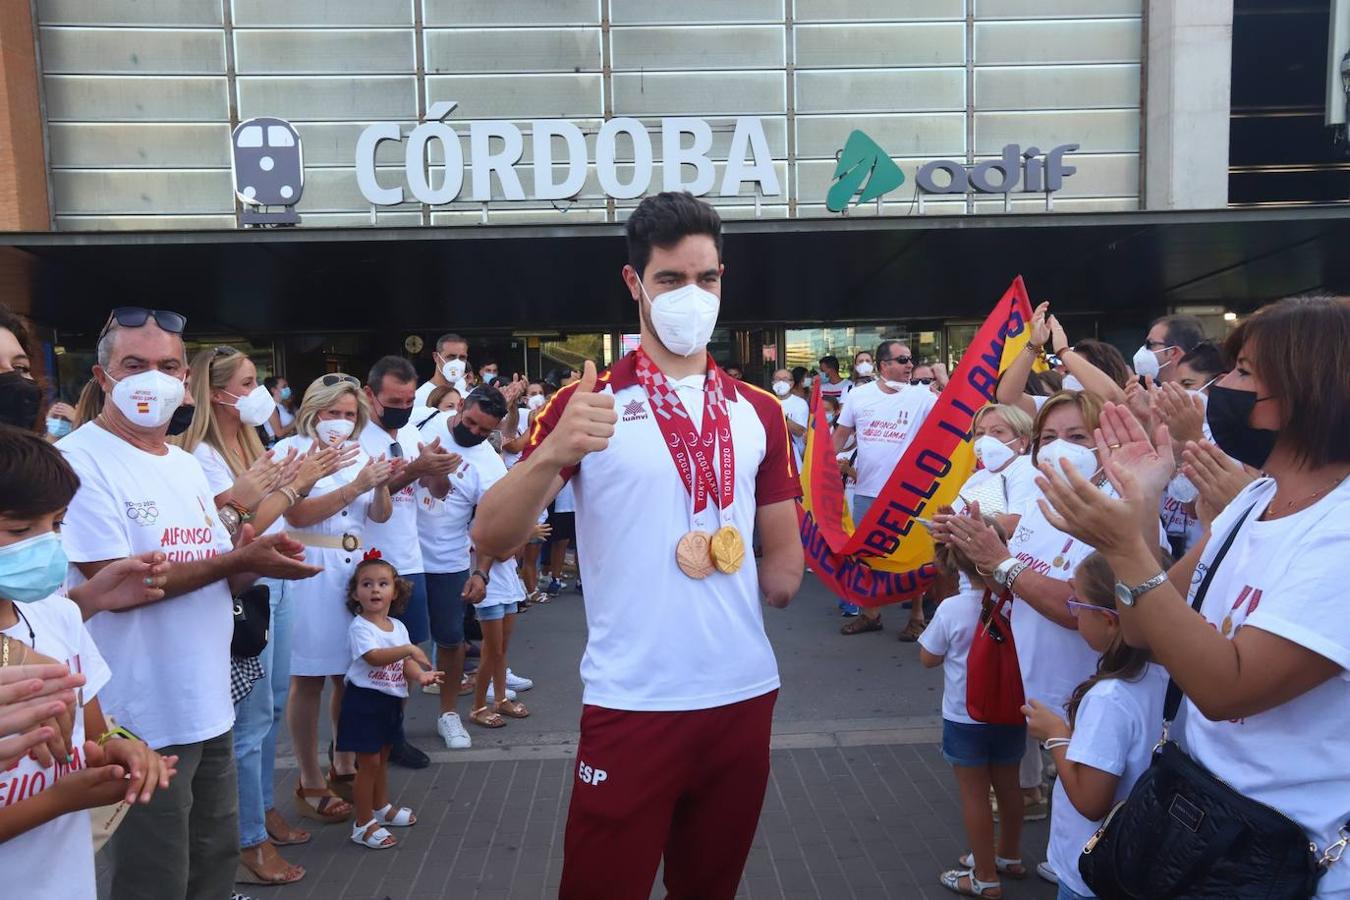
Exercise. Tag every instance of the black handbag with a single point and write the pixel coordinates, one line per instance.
(1183, 833)
(252, 619)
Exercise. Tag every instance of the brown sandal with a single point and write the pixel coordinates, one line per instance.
(861, 624)
(512, 709)
(486, 717)
(262, 864)
(280, 831)
(329, 808)
(910, 633)
(341, 785)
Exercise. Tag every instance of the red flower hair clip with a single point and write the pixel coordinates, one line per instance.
(372, 553)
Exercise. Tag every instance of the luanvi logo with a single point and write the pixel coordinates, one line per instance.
(862, 160)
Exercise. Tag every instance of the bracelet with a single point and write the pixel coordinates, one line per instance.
(1052, 743)
(4, 650)
(480, 574)
(292, 496)
(1034, 349)
(116, 733)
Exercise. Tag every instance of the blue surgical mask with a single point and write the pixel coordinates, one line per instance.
(488, 377)
(33, 568)
(285, 392)
(58, 427)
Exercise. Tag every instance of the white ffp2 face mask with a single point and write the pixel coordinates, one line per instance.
(1146, 362)
(992, 453)
(684, 318)
(148, 399)
(255, 407)
(782, 388)
(453, 370)
(534, 401)
(863, 369)
(1060, 452)
(1072, 384)
(334, 432)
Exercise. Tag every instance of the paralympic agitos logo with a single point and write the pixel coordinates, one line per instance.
(866, 171)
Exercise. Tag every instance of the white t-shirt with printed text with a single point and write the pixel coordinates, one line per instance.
(364, 636)
(1284, 577)
(1117, 725)
(444, 524)
(170, 660)
(396, 538)
(54, 861)
(885, 425)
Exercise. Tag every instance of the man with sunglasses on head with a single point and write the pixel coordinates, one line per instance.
(170, 659)
(885, 415)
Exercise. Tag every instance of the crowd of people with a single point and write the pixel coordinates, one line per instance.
(1154, 540)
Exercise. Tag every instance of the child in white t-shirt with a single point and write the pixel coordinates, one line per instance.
(1114, 720)
(982, 755)
(46, 840)
(497, 595)
(371, 718)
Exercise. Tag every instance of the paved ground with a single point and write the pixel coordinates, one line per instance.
(860, 804)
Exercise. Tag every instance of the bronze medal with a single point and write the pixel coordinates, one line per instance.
(692, 555)
(728, 550)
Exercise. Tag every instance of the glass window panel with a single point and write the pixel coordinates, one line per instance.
(279, 136)
(252, 136)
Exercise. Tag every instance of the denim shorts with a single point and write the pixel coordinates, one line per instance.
(978, 744)
(496, 611)
(414, 615)
(445, 605)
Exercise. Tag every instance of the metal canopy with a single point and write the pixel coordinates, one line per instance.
(1121, 265)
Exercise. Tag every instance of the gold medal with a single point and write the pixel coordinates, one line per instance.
(692, 556)
(728, 550)
(1058, 562)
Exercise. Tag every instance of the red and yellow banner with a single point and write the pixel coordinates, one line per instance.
(888, 556)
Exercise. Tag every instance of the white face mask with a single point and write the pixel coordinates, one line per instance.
(782, 388)
(895, 385)
(334, 432)
(453, 370)
(992, 453)
(684, 318)
(148, 399)
(535, 401)
(807, 382)
(255, 407)
(1146, 362)
(863, 368)
(1072, 384)
(1081, 458)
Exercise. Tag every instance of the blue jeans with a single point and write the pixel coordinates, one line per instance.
(1066, 893)
(414, 617)
(257, 717)
(861, 505)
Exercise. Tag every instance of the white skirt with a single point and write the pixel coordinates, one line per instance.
(320, 618)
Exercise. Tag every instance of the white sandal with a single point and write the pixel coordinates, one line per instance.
(379, 839)
(1003, 866)
(951, 880)
(395, 818)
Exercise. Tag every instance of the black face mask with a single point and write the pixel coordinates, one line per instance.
(181, 420)
(394, 419)
(20, 400)
(466, 438)
(1229, 413)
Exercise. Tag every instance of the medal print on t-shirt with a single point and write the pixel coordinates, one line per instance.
(1237, 614)
(1062, 561)
(206, 517)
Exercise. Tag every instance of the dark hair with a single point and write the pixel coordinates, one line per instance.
(488, 399)
(1097, 585)
(450, 338)
(884, 349)
(395, 367)
(271, 382)
(1207, 358)
(35, 478)
(1300, 349)
(1182, 331)
(11, 322)
(663, 220)
(829, 362)
(402, 587)
(1043, 384)
(798, 373)
(1105, 357)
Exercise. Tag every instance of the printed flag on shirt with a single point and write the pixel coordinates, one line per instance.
(888, 557)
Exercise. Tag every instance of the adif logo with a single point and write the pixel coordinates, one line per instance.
(591, 775)
(862, 159)
(634, 411)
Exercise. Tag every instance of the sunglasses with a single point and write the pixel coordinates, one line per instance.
(902, 360)
(923, 380)
(339, 377)
(137, 316)
(1075, 606)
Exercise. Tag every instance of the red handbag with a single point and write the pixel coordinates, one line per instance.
(993, 680)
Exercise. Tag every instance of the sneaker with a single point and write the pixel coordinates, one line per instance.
(1047, 874)
(556, 586)
(431, 688)
(516, 682)
(409, 757)
(451, 730)
(491, 698)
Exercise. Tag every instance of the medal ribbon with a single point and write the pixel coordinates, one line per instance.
(694, 456)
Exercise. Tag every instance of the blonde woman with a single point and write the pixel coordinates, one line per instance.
(257, 487)
(330, 521)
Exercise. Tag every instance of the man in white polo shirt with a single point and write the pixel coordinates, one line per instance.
(170, 660)
(390, 389)
(885, 415)
(674, 466)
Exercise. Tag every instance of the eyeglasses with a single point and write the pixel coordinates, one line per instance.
(922, 380)
(339, 377)
(1075, 605)
(137, 316)
(902, 360)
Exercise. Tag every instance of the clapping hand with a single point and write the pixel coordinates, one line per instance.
(273, 556)
(1040, 328)
(434, 460)
(146, 771)
(125, 583)
(259, 480)
(322, 461)
(1215, 475)
(32, 699)
(60, 724)
(1181, 411)
(977, 540)
(376, 473)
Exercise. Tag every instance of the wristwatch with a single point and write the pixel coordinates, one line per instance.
(1007, 571)
(1127, 596)
(229, 517)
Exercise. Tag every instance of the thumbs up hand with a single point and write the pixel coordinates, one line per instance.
(586, 425)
